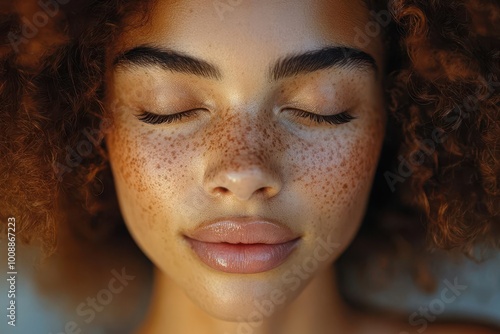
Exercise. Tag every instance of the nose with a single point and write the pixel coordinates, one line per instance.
(243, 182)
(243, 162)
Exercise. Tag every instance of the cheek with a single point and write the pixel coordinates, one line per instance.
(143, 174)
(336, 178)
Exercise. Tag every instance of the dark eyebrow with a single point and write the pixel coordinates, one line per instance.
(324, 58)
(167, 59)
(288, 66)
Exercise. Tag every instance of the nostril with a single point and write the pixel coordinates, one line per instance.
(242, 184)
(262, 190)
(267, 191)
(220, 190)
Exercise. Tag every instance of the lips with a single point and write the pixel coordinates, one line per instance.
(242, 245)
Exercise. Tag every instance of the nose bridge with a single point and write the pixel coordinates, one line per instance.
(241, 157)
(245, 136)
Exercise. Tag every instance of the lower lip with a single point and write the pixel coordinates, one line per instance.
(242, 258)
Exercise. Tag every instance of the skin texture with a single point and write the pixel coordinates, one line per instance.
(245, 154)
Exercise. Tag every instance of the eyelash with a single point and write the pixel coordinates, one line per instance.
(337, 119)
(154, 119)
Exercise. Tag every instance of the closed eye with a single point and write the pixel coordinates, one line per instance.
(341, 118)
(151, 118)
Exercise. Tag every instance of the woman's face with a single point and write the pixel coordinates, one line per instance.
(248, 150)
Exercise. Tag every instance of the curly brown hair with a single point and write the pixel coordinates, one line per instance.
(442, 151)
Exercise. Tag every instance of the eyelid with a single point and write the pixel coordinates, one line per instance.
(153, 118)
(335, 119)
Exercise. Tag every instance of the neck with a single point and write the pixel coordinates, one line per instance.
(318, 309)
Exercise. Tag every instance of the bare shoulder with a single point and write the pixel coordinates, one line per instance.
(461, 329)
(379, 324)
(449, 328)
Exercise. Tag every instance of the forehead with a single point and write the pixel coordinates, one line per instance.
(257, 29)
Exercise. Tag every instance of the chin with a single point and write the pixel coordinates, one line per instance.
(236, 299)
(244, 297)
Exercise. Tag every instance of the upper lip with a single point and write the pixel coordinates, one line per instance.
(244, 230)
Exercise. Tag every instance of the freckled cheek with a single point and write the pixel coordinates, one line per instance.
(160, 166)
(153, 169)
(344, 179)
(131, 164)
(146, 192)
